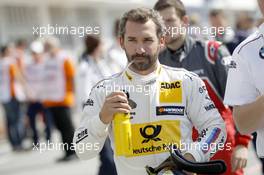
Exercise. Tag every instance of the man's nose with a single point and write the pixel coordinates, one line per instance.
(140, 49)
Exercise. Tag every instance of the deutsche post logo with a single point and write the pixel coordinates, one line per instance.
(150, 132)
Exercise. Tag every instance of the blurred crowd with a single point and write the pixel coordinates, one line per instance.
(40, 82)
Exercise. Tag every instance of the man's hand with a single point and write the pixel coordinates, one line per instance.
(239, 157)
(189, 157)
(116, 102)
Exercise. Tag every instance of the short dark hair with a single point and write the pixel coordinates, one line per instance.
(21, 43)
(91, 43)
(3, 50)
(216, 12)
(177, 4)
(116, 27)
(142, 15)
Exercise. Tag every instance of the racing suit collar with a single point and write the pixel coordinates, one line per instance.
(183, 51)
(135, 77)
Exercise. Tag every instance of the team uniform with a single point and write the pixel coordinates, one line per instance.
(34, 74)
(245, 78)
(7, 80)
(8, 97)
(89, 73)
(165, 104)
(59, 95)
(209, 60)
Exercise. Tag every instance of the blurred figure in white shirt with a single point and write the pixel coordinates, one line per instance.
(93, 68)
(8, 98)
(116, 57)
(34, 74)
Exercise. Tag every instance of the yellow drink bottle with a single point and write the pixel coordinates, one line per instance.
(122, 134)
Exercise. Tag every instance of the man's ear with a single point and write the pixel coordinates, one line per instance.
(121, 41)
(162, 42)
(185, 20)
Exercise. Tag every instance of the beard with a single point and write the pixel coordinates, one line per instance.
(171, 40)
(142, 62)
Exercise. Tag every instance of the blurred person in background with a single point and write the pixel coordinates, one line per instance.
(224, 32)
(12, 108)
(92, 67)
(59, 93)
(245, 86)
(205, 58)
(21, 58)
(34, 72)
(20, 53)
(195, 23)
(91, 70)
(245, 25)
(116, 57)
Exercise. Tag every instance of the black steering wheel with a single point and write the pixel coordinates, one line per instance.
(177, 164)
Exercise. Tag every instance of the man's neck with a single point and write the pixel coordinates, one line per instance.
(177, 43)
(153, 68)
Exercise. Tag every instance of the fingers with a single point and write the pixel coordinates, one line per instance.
(239, 157)
(245, 163)
(238, 163)
(117, 97)
(117, 93)
(116, 102)
(121, 105)
(242, 163)
(121, 110)
(234, 162)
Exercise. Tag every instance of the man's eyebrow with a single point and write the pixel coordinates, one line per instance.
(131, 37)
(149, 37)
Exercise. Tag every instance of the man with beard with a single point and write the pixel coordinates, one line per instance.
(153, 120)
(209, 59)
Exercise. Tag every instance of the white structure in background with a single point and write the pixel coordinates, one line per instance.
(18, 17)
(249, 5)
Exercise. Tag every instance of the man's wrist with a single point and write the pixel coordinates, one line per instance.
(101, 118)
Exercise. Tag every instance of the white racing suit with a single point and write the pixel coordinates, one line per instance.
(165, 104)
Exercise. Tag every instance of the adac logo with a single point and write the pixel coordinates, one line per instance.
(261, 52)
(150, 132)
(173, 85)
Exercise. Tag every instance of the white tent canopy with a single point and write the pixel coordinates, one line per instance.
(250, 5)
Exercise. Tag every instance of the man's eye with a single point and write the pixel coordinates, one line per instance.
(170, 20)
(149, 40)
